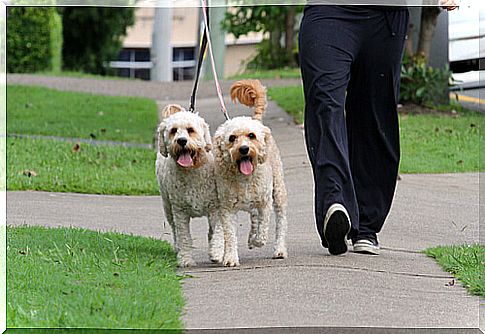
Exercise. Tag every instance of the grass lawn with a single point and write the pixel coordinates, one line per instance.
(286, 73)
(92, 169)
(74, 74)
(465, 262)
(430, 143)
(43, 111)
(77, 278)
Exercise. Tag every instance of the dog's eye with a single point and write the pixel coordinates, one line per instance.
(251, 136)
(232, 138)
(173, 131)
(190, 130)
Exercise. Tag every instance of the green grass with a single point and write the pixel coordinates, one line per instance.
(430, 143)
(43, 111)
(465, 262)
(68, 277)
(74, 74)
(93, 169)
(291, 99)
(286, 73)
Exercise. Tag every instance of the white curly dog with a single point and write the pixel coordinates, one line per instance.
(185, 173)
(249, 175)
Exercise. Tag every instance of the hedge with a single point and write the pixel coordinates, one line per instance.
(34, 39)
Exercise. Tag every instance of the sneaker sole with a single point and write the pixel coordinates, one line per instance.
(336, 230)
(370, 250)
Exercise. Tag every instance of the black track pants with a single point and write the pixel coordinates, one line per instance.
(350, 59)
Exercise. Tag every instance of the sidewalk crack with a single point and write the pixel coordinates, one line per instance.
(400, 273)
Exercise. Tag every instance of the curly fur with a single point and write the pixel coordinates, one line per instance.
(260, 191)
(188, 191)
(251, 93)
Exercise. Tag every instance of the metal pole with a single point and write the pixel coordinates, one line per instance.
(161, 52)
(216, 15)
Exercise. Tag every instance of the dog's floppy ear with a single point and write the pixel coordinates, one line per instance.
(207, 137)
(217, 148)
(266, 140)
(162, 148)
(171, 109)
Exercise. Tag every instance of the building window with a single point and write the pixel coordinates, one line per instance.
(183, 63)
(133, 63)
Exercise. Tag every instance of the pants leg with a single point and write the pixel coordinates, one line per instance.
(328, 42)
(372, 119)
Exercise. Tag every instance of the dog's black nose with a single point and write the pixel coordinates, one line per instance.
(182, 141)
(244, 149)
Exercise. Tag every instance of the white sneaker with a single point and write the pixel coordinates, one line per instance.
(366, 246)
(336, 226)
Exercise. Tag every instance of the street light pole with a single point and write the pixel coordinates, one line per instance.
(161, 51)
(218, 39)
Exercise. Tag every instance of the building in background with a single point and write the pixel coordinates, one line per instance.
(134, 58)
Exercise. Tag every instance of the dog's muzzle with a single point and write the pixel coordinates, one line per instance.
(182, 141)
(244, 150)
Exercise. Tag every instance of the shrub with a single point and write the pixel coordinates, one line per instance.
(34, 39)
(93, 37)
(424, 85)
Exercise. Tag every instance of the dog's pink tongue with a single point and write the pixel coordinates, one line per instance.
(185, 160)
(246, 167)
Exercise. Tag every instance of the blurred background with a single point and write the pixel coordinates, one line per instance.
(161, 44)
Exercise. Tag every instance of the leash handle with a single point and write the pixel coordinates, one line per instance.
(202, 48)
(211, 54)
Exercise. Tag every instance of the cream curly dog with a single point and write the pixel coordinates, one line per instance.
(249, 174)
(185, 173)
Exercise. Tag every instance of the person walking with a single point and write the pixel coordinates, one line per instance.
(350, 59)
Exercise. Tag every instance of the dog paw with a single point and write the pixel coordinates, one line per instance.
(186, 262)
(255, 241)
(216, 258)
(229, 262)
(280, 253)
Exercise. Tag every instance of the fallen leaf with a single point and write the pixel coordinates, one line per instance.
(29, 173)
(76, 148)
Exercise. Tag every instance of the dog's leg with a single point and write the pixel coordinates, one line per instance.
(216, 238)
(169, 215)
(183, 240)
(253, 232)
(280, 203)
(261, 216)
(231, 258)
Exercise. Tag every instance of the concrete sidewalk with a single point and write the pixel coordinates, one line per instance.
(399, 288)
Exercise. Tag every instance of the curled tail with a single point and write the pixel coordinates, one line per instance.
(252, 94)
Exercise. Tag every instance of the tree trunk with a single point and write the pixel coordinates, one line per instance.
(275, 46)
(429, 19)
(409, 48)
(290, 35)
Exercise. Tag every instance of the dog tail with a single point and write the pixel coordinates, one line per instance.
(252, 94)
(171, 109)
